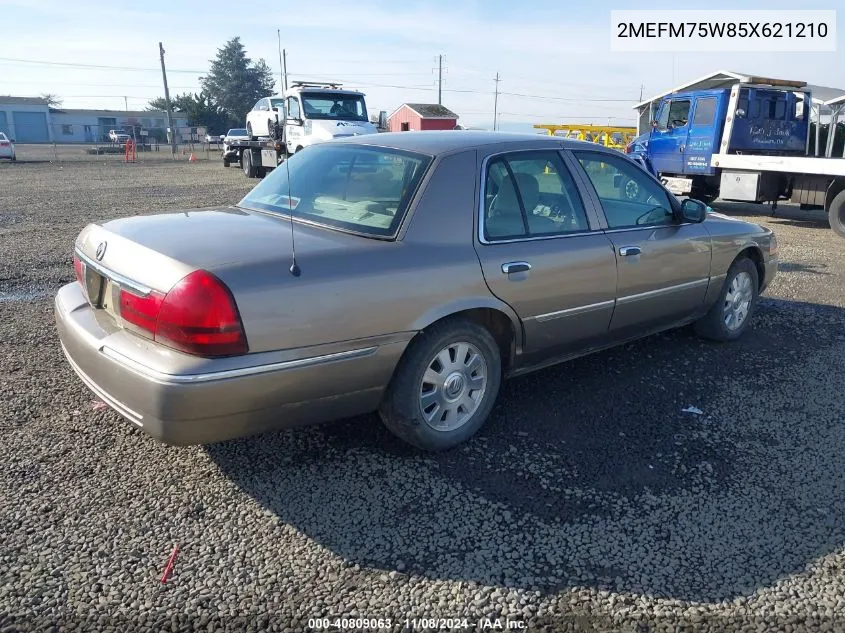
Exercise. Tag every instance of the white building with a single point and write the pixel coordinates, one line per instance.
(822, 96)
(25, 119)
(31, 120)
(92, 126)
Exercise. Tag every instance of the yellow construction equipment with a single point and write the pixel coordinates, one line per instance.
(613, 136)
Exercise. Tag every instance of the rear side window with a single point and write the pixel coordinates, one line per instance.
(705, 111)
(356, 188)
(529, 194)
(628, 196)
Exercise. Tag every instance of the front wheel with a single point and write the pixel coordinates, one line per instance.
(728, 319)
(836, 214)
(445, 386)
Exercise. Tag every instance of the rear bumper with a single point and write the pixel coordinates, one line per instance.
(219, 402)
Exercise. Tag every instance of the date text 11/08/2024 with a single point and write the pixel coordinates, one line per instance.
(449, 624)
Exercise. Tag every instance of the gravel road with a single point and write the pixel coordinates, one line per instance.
(589, 502)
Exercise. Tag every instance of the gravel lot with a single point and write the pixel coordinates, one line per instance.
(589, 502)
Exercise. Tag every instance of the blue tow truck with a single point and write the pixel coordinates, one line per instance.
(749, 143)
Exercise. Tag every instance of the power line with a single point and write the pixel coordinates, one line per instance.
(496, 102)
(95, 66)
(581, 99)
(18, 60)
(99, 85)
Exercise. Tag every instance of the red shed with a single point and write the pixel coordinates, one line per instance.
(421, 116)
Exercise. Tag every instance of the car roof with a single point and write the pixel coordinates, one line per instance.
(435, 142)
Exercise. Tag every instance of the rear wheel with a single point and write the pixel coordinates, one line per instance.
(247, 164)
(445, 386)
(728, 319)
(836, 214)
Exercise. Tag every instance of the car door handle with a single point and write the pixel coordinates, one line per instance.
(627, 251)
(515, 267)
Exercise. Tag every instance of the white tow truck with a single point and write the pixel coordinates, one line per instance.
(309, 113)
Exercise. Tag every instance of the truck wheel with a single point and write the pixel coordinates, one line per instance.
(836, 214)
(247, 164)
(728, 319)
(445, 386)
(704, 195)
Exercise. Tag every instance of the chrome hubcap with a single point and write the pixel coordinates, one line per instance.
(453, 386)
(738, 301)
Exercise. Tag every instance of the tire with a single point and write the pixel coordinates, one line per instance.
(741, 287)
(225, 162)
(703, 195)
(410, 395)
(247, 164)
(836, 213)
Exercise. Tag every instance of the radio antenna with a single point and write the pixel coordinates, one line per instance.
(294, 267)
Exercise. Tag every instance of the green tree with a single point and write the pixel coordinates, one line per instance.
(235, 82)
(199, 110)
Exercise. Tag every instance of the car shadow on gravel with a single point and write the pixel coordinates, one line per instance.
(591, 473)
(789, 214)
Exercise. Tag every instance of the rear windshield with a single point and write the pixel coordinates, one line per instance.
(350, 187)
(238, 132)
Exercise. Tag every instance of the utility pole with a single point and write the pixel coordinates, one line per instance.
(125, 104)
(285, 66)
(167, 100)
(641, 93)
(496, 104)
(281, 63)
(440, 80)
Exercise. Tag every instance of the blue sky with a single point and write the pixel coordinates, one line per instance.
(556, 52)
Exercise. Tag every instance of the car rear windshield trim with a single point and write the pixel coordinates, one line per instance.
(360, 189)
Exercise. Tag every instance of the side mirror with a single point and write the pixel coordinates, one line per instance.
(693, 210)
(382, 119)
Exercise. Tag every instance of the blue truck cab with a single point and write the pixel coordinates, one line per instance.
(688, 129)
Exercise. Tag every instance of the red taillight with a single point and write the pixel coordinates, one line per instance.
(141, 311)
(5, 144)
(80, 272)
(198, 316)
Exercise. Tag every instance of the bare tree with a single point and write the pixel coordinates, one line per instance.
(54, 101)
